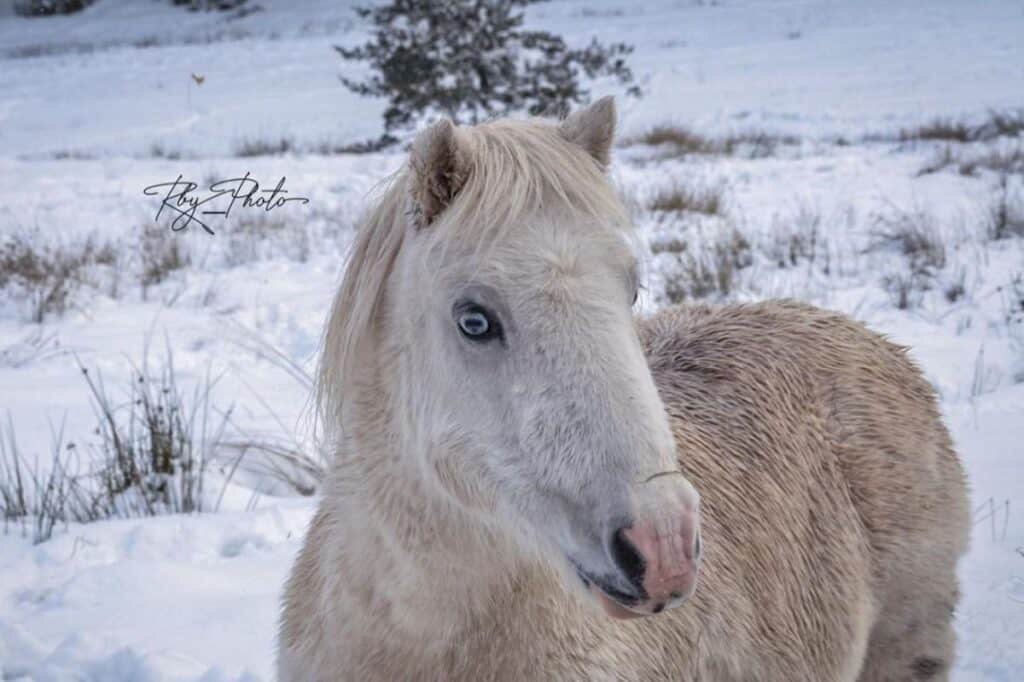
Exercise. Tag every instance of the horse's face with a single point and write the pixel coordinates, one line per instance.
(531, 402)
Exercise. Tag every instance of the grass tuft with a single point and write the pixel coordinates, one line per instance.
(680, 141)
(678, 198)
(709, 271)
(253, 146)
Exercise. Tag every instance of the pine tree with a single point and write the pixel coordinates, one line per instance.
(471, 59)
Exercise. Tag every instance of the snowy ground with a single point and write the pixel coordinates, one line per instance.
(97, 106)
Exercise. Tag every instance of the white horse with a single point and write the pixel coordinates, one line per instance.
(513, 448)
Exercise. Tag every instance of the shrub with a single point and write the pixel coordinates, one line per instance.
(471, 59)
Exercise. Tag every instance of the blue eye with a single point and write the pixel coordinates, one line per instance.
(477, 324)
(474, 324)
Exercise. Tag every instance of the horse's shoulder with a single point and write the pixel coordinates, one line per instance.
(772, 337)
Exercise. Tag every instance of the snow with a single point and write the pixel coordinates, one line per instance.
(84, 109)
(160, 599)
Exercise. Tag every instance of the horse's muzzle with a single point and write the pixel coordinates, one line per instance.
(659, 558)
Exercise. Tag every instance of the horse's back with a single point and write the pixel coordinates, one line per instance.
(827, 478)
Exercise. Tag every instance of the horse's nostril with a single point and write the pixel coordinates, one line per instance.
(628, 559)
(696, 547)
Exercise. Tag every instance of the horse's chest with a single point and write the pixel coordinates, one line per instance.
(541, 647)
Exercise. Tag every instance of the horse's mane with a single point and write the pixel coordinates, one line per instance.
(515, 169)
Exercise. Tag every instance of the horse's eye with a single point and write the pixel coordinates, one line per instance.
(476, 324)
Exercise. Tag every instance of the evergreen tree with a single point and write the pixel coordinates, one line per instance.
(471, 59)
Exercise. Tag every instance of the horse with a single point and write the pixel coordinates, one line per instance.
(530, 482)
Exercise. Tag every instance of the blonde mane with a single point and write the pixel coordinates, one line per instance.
(514, 170)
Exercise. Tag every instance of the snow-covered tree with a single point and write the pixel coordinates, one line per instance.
(471, 59)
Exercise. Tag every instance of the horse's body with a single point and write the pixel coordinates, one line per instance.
(833, 510)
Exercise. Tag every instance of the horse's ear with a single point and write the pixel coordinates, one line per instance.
(438, 168)
(593, 129)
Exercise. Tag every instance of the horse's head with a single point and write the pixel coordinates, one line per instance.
(522, 387)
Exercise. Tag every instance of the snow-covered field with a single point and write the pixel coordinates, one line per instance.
(97, 106)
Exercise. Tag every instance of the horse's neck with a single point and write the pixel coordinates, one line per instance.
(416, 559)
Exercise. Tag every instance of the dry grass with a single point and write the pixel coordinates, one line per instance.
(678, 140)
(251, 146)
(73, 155)
(152, 451)
(37, 502)
(1003, 161)
(46, 274)
(1009, 123)
(285, 457)
(37, 345)
(158, 150)
(755, 144)
(913, 235)
(679, 198)
(155, 443)
(941, 129)
(255, 236)
(941, 160)
(681, 139)
(160, 251)
(1013, 296)
(369, 146)
(905, 289)
(956, 288)
(1005, 213)
(668, 245)
(999, 161)
(796, 239)
(710, 271)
